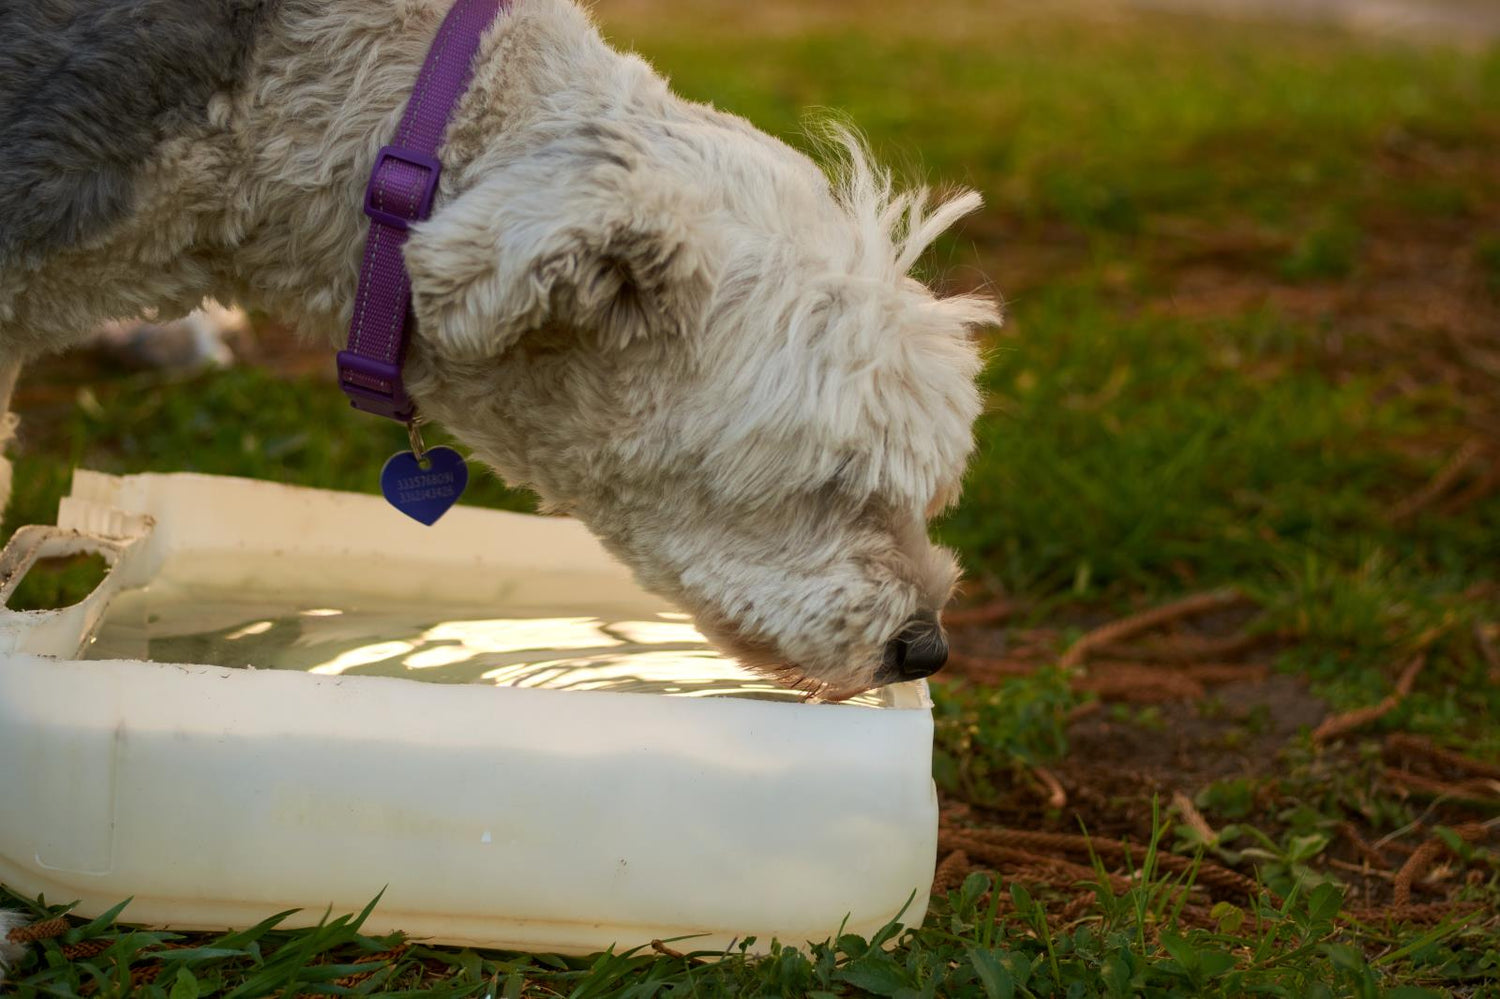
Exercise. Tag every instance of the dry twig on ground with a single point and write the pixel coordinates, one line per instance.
(1422, 912)
(1417, 864)
(1412, 745)
(665, 951)
(995, 612)
(987, 669)
(1487, 650)
(85, 949)
(1210, 875)
(34, 932)
(1135, 683)
(1185, 648)
(951, 872)
(1056, 796)
(1440, 483)
(1475, 491)
(1371, 854)
(1118, 631)
(1337, 725)
(1479, 791)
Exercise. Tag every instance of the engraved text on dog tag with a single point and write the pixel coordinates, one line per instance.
(424, 494)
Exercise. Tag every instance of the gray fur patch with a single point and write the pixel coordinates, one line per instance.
(88, 88)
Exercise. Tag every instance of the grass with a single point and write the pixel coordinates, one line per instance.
(981, 940)
(1251, 277)
(51, 583)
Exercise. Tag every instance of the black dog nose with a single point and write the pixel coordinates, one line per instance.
(920, 650)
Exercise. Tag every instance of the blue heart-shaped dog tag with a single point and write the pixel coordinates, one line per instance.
(424, 494)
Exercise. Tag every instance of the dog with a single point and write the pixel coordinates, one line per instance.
(666, 323)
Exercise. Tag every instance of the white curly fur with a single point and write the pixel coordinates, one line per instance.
(10, 953)
(667, 323)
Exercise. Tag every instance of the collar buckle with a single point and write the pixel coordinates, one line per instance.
(362, 379)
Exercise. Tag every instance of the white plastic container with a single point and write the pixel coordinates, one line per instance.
(506, 816)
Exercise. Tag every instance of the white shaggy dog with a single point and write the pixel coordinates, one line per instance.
(665, 322)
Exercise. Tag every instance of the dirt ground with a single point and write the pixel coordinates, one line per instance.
(1193, 701)
(1196, 699)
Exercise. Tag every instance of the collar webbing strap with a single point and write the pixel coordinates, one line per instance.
(400, 192)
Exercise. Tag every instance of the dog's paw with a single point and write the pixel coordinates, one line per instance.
(10, 953)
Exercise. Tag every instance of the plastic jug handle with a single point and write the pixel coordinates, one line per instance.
(38, 630)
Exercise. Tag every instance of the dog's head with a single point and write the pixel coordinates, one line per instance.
(691, 338)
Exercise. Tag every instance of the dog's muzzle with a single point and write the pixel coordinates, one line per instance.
(921, 649)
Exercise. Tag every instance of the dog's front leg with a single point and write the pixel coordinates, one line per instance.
(9, 371)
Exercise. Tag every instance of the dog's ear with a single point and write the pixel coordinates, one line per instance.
(607, 248)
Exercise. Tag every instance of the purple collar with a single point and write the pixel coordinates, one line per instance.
(400, 192)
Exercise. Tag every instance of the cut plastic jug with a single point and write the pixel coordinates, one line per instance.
(290, 698)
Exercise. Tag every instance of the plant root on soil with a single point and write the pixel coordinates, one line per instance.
(1137, 684)
(1440, 483)
(34, 932)
(1057, 798)
(1061, 860)
(1481, 488)
(1417, 864)
(1477, 792)
(1487, 649)
(1349, 721)
(1374, 860)
(950, 872)
(1120, 682)
(995, 612)
(1182, 649)
(988, 670)
(1421, 912)
(1210, 875)
(1401, 744)
(1127, 627)
(84, 949)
